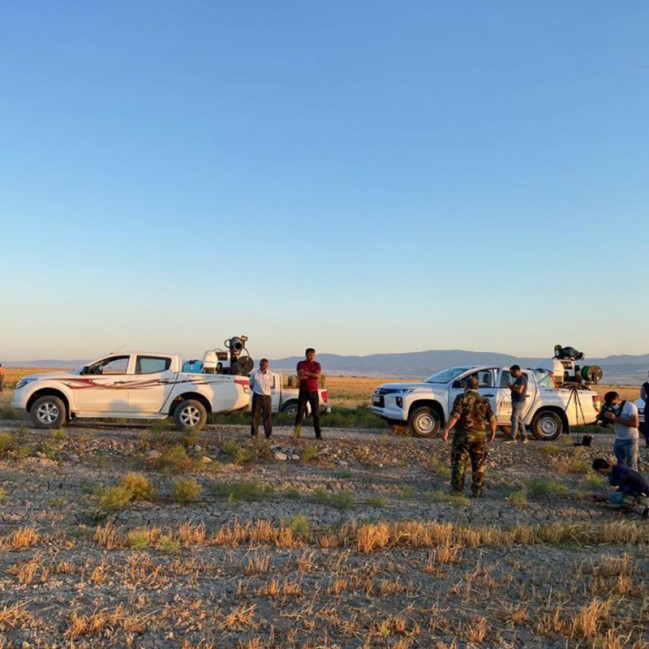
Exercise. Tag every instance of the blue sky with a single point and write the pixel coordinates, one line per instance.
(360, 177)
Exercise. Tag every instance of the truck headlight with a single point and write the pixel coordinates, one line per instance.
(23, 382)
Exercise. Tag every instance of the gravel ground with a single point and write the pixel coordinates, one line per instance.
(80, 570)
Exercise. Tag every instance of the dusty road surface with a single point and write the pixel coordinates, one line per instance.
(114, 536)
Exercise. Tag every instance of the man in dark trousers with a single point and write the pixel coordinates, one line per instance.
(472, 413)
(628, 489)
(261, 382)
(308, 371)
(518, 388)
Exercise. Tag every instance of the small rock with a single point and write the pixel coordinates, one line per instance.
(153, 454)
(280, 455)
(206, 460)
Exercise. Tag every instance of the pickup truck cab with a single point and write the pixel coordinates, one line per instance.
(425, 407)
(130, 385)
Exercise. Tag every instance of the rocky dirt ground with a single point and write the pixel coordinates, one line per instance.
(350, 542)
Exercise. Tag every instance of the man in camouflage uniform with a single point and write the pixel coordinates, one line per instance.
(471, 412)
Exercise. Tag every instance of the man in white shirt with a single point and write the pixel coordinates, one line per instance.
(261, 381)
(624, 416)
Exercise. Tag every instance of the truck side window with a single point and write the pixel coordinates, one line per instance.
(505, 378)
(152, 364)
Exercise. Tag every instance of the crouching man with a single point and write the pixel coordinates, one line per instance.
(628, 489)
(472, 413)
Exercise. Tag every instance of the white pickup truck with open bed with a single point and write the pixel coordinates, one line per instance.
(131, 385)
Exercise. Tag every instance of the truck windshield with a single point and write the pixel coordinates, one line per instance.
(446, 376)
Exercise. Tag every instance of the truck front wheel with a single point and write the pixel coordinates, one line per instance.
(547, 425)
(190, 415)
(424, 422)
(48, 412)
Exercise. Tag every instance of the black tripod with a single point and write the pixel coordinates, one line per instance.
(575, 397)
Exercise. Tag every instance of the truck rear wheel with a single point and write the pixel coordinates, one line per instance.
(190, 415)
(547, 425)
(48, 412)
(424, 422)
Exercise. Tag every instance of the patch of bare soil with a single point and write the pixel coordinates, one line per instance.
(353, 541)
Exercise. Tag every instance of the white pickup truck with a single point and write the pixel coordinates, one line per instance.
(130, 385)
(425, 407)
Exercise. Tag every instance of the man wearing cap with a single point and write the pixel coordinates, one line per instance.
(471, 412)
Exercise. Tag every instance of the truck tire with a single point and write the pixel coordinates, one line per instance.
(290, 408)
(48, 412)
(190, 415)
(547, 425)
(424, 422)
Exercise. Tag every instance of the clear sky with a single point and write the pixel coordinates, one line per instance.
(357, 176)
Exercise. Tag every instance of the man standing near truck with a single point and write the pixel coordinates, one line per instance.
(261, 382)
(472, 413)
(519, 392)
(308, 371)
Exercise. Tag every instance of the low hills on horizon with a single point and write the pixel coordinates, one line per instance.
(625, 368)
(620, 367)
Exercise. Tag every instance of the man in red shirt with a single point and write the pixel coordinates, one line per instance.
(308, 371)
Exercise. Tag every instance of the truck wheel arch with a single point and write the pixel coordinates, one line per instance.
(290, 407)
(205, 402)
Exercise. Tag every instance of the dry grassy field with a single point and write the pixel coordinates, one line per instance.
(138, 536)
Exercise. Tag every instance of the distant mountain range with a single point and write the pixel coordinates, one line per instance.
(622, 369)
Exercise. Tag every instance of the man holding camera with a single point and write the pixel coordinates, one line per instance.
(624, 417)
(628, 489)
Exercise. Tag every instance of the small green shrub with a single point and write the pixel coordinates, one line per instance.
(186, 490)
(3, 495)
(240, 454)
(458, 499)
(309, 452)
(376, 501)
(7, 444)
(293, 494)
(440, 468)
(58, 435)
(139, 486)
(113, 498)
(175, 460)
(300, 525)
(408, 491)
(338, 500)
(542, 487)
(518, 498)
(137, 539)
(168, 544)
(247, 490)
(345, 474)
